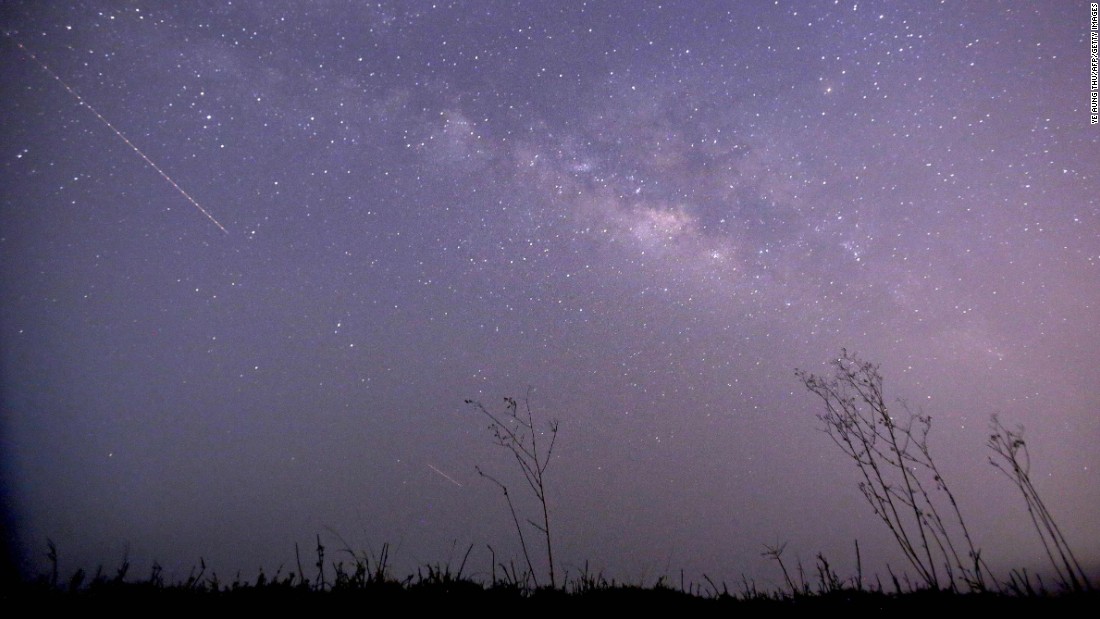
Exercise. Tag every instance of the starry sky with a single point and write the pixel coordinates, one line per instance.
(644, 216)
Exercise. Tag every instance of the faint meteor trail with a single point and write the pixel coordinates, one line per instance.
(445, 476)
(137, 150)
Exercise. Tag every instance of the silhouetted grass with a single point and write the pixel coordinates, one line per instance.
(364, 581)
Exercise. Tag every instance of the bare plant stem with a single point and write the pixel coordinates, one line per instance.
(895, 462)
(1012, 459)
(518, 434)
(776, 552)
(515, 519)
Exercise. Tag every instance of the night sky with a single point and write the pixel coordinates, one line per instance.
(648, 214)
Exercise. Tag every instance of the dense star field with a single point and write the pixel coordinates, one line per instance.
(645, 215)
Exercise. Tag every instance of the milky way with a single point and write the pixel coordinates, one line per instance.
(650, 214)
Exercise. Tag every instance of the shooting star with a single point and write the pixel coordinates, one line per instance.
(445, 476)
(137, 150)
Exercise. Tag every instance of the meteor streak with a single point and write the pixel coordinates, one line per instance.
(445, 476)
(137, 150)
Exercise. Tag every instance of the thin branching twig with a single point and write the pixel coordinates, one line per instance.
(517, 433)
(1011, 457)
(900, 478)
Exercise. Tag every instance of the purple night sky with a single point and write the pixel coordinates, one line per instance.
(650, 213)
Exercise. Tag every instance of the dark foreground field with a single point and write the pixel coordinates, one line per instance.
(440, 588)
